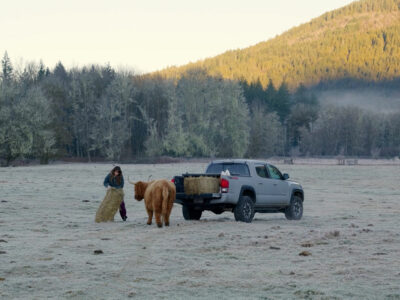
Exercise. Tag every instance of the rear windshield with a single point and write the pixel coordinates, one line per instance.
(234, 169)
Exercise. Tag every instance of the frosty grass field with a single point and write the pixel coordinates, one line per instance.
(351, 228)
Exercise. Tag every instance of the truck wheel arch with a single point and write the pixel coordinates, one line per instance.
(297, 192)
(248, 190)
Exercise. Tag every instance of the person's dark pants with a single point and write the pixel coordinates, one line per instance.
(122, 210)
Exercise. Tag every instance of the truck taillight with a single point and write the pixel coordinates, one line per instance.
(224, 185)
(173, 180)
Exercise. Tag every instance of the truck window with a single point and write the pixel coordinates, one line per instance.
(234, 169)
(274, 172)
(262, 171)
(215, 169)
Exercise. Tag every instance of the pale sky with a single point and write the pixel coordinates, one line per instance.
(144, 35)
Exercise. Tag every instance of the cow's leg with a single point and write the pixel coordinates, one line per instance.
(150, 214)
(166, 219)
(158, 217)
(167, 213)
(170, 204)
(171, 199)
(157, 208)
(149, 210)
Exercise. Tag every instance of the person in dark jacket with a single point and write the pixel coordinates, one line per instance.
(115, 179)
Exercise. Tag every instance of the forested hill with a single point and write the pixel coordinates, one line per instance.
(359, 41)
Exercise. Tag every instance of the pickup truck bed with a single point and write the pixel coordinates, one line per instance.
(199, 201)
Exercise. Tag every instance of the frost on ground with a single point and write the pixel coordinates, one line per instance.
(346, 246)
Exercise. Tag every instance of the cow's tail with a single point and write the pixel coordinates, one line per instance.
(165, 195)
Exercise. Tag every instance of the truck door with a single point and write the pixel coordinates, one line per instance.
(263, 186)
(280, 188)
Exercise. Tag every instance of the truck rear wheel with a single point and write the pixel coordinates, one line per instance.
(244, 210)
(295, 210)
(189, 213)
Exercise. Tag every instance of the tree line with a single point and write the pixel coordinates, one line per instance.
(98, 113)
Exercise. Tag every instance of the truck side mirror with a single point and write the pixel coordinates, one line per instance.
(285, 176)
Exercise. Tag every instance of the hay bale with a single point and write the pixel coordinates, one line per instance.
(110, 205)
(208, 185)
(190, 185)
(201, 185)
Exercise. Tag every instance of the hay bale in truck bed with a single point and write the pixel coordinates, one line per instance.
(190, 185)
(208, 185)
(201, 185)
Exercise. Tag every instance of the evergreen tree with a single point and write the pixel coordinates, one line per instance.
(282, 102)
(57, 89)
(270, 95)
(6, 68)
(42, 71)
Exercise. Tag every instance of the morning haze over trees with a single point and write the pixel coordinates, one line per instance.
(256, 102)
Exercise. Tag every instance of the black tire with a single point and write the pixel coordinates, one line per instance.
(295, 210)
(244, 210)
(189, 213)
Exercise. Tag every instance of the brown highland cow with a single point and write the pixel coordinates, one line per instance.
(159, 197)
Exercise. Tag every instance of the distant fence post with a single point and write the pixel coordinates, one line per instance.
(347, 162)
(352, 162)
(288, 161)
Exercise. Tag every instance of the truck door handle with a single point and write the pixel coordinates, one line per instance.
(260, 183)
(275, 184)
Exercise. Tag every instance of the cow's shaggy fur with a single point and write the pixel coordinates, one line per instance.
(109, 206)
(159, 197)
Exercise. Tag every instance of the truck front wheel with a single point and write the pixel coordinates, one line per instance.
(189, 213)
(295, 210)
(244, 210)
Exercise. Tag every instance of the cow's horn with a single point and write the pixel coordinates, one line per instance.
(149, 178)
(131, 182)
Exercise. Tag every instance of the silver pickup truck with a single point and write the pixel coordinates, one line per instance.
(251, 186)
